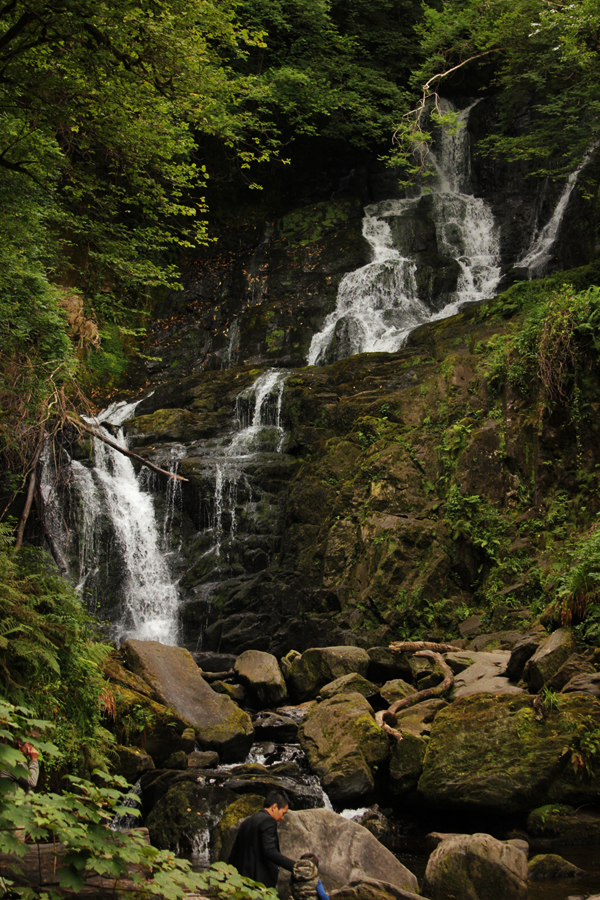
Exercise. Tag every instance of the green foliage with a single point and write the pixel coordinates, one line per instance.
(49, 659)
(79, 819)
(534, 55)
(336, 68)
(579, 588)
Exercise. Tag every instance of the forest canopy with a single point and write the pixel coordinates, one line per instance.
(540, 60)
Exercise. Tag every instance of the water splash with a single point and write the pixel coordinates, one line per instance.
(379, 304)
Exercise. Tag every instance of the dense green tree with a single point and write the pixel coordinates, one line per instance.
(333, 68)
(542, 61)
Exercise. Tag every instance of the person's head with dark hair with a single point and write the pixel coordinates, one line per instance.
(276, 804)
(314, 859)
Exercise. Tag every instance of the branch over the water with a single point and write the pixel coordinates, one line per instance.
(77, 423)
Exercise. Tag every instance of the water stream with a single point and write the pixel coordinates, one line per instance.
(379, 304)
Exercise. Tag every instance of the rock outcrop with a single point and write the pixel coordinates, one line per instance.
(344, 745)
(347, 852)
(176, 681)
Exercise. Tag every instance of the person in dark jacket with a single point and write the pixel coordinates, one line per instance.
(256, 852)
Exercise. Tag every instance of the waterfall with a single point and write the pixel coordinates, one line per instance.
(111, 490)
(539, 252)
(379, 304)
(257, 429)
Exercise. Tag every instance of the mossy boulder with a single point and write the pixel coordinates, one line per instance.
(132, 761)
(188, 809)
(222, 836)
(475, 867)
(348, 684)
(262, 675)
(319, 666)
(344, 744)
(549, 866)
(493, 752)
(549, 657)
(564, 824)
(140, 720)
(396, 689)
(406, 763)
(176, 681)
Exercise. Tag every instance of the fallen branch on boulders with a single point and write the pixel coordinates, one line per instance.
(77, 423)
(413, 646)
(387, 719)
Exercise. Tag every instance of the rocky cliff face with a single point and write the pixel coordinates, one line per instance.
(391, 492)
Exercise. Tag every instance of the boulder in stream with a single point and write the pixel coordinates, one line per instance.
(177, 683)
(347, 852)
(344, 744)
(320, 665)
(548, 658)
(260, 672)
(549, 866)
(476, 867)
(494, 752)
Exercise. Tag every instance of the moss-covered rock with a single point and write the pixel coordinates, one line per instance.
(549, 657)
(563, 824)
(492, 751)
(319, 666)
(186, 810)
(240, 809)
(406, 762)
(261, 673)
(153, 726)
(344, 745)
(175, 678)
(550, 866)
(348, 684)
(396, 689)
(476, 867)
(132, 761)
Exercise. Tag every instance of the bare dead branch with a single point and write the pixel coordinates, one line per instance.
(81, 425)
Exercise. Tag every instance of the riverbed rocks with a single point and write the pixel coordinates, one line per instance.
(176, 681)
(347, 852)
(476, 867)
(548, 658)
(344, 746)
(493, 752)
(261, 674)
(550, 866)
(319, 666)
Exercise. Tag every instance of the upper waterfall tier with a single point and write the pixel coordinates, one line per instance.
(430, 255)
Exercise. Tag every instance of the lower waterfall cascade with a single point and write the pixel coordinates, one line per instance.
(83, 500)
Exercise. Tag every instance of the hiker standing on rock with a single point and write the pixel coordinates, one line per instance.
(256, 852)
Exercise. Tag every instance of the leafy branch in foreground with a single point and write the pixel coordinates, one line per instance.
(75, 824)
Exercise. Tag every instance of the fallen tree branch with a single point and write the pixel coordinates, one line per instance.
(387, 719)
(29, 497)
(413, 646)
(81, 425)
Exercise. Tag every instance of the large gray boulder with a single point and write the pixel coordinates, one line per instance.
(548, 659)
(175, 679)
(320, 665)
(348, 684)
(476, 867)
(484, 675)
(343, 744)
(347, 852)
(261, 673)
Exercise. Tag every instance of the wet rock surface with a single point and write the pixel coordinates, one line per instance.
(476, 867)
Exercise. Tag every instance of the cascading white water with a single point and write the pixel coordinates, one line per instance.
(539, 252)
(378, 305)
(258, 428)
(149, 599)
